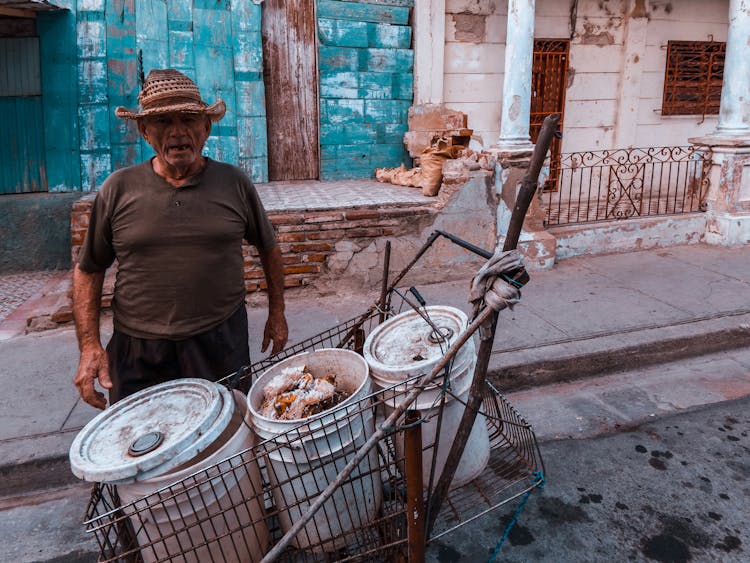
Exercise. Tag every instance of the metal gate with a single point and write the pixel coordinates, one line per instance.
(21, 127)
(549, 75)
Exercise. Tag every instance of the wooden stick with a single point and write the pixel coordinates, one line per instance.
(415, 513)
(476, 390)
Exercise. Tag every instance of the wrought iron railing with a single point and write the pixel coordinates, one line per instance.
(626, 183)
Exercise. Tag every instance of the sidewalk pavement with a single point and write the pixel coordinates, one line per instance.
(588, 316)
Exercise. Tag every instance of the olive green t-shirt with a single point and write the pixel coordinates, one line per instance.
(179, 250)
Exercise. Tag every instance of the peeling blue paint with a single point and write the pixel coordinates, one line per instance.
(366, 86)
(92, 56)
(57, 43)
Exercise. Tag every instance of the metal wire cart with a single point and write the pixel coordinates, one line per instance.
(240, 507)
(357, 482)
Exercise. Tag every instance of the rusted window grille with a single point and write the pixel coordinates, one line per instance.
(627, 183)
(548, 79)
(693, 78)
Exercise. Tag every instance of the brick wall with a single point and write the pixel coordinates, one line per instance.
(308, 239)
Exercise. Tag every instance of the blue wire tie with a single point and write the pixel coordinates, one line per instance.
(539, 483)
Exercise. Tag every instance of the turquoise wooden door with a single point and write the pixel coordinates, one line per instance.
(21, 126)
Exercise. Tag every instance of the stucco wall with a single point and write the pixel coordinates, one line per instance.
(474, 54)
(616, 68)
(689, 20)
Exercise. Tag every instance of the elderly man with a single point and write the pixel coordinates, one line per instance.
(175, 225)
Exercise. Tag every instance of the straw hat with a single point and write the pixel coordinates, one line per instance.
(169, 91)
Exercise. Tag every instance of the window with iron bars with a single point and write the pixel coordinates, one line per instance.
(693, 77)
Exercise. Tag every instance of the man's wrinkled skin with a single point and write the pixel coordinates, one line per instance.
(177, 140)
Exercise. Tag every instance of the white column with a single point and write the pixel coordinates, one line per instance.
(630, 81)
(429, 51)
(519, 53)
(734, 114)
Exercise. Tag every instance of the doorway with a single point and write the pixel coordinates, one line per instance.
(290, 75)
(549, 76)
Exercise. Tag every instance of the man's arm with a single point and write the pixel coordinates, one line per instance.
(276, 328)
(93, 364)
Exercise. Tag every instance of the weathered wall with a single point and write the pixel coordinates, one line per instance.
(366, 86)
(474, 54)
(686, 20)
(627, 236)
(36, 232)
(93, 52)
(617, 64)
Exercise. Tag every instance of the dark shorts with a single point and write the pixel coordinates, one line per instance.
(137, 363)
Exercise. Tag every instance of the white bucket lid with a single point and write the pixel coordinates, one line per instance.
(152, 431)
(407, 341)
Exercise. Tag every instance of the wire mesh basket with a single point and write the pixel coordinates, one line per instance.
(239, 508)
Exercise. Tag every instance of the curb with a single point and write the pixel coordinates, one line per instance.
(36, 476)
(603, 354)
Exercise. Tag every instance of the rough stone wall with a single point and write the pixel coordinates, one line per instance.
(313, 244)
(321, 245)
(465, 207)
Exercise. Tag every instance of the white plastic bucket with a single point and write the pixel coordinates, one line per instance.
(299, 470)
(228, 498)
(400, 348)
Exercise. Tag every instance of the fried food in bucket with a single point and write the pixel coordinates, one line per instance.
(296, 393)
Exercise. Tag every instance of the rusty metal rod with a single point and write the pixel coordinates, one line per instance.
(429, 242)
(476, 390)
(486, 254)
(384, 281)
(373, 440)
(415, 513)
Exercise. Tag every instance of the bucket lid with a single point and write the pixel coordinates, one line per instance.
(152, 431)
(408, 341)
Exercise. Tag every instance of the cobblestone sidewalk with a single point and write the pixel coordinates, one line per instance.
(16, 289)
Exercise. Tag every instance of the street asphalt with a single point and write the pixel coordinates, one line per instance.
(672, 490)
(603, 354)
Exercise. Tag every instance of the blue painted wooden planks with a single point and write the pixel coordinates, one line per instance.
(363, 12)
(346, 33)
(365, 85)
(57, 37)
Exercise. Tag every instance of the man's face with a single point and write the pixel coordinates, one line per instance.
(177, 138)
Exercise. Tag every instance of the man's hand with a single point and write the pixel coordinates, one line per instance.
(276, 330)
(93, 365)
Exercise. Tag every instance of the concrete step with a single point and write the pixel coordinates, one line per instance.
(47, 526)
